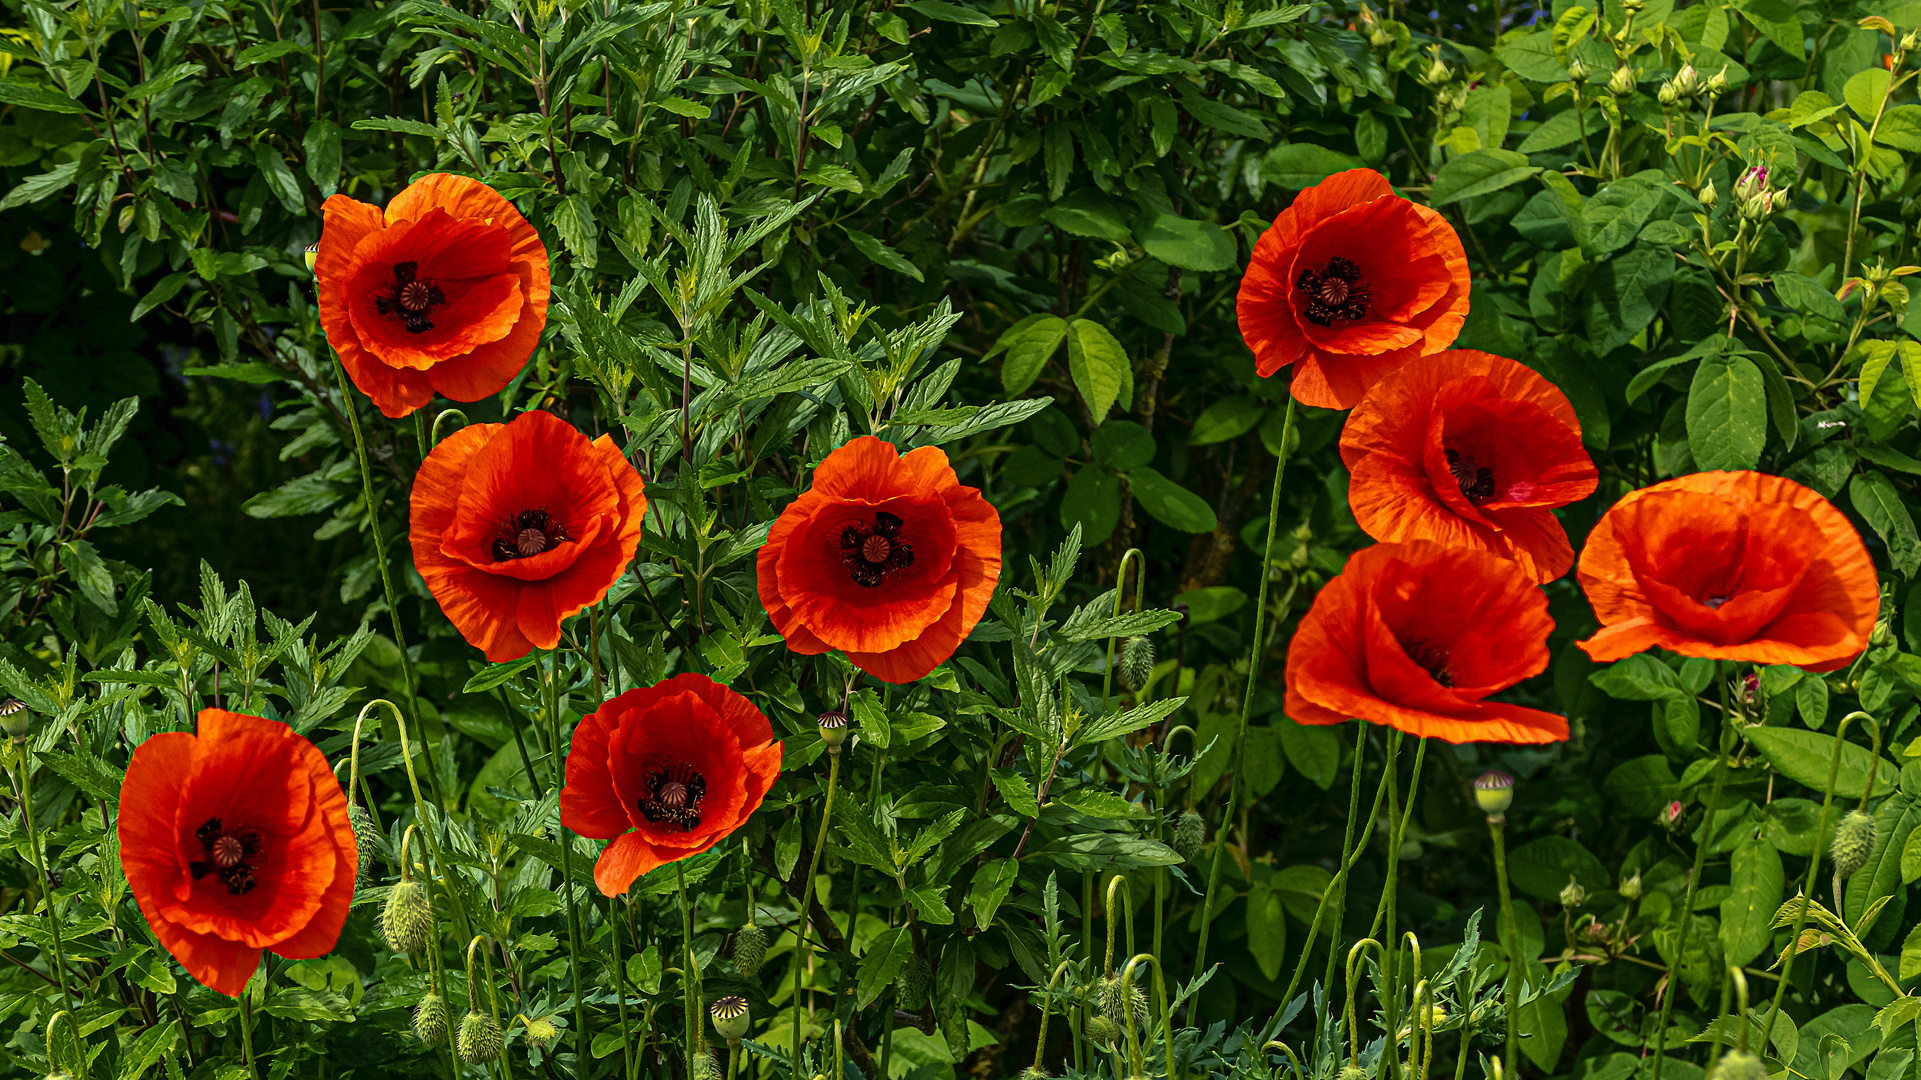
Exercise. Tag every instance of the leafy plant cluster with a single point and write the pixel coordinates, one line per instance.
(1015, 231)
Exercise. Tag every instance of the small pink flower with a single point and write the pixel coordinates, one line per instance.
(1671, 815)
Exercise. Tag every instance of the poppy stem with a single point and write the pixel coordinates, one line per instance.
(581, 1043)
(1120, 594)
(1510, 940)
(690, 973)
(1255, 652)
(36, 844)
(246, 1029)
(1337, 888)
(627, 1060)
(807, 892)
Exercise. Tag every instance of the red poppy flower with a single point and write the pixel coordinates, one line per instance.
(1730, 566)
(888, 558)
(1470, 450)
(1416, 636)
(1351, 281)
(666, 772)
(236, 840)
(446, 292)
(518, 526)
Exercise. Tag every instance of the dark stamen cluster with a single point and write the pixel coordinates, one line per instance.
(230, 855)
(1476, 481)
(412, 298)
(1432, 658)
(527, 534)
(1335, 292)
(870, 554)
(673, 796)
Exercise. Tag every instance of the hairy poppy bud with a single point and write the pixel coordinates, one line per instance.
(1739, 1065)
(1494, 793)
(702, 1066)
(1853, 842)
(541, 1033)
(1621, 83)
(750, 950)
(430, 1019)
(1117, 1001)
(916, 978)
(365, 837)
(1137, 662)
(833, 730)
(731, 1017)
(408, 919)
(1101, 1031)
(479, 1040)
(1189, 832)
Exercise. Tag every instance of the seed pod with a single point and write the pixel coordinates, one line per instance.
(1494, 793)
(1137, 662)
(916, 978)
(750, 950)
(833, 729)
(1739, 1065)
(1853, 842)
(366, 836)
(1115, 999)
(541, 1033)
(731, 1017)
(430, 1019)
(408, 919)
(15, 719)
(1189, 833)
(479, 1040)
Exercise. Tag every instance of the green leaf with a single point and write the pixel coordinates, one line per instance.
(1123, 444)
(1091, 214)
(1614, 216)
(1098, 363)
(1624, 293)
(1188, 244)
(32, 95)
(1028, 344)
(1900, 128)
(1755, 889)
(881, 963)
(1266, 929)
(1313, 750)
(1880, 505)
(280, 179)
(1171, 503)
(322, 144)
(942, 11)
(1227, 418)
(1811, 701)
(881, 255)
(1106, 851)
(1864, 92)
(992, 882)
(1727, 413)
(1803, 756)
(1479, 173)
(1806, 294)
(1541, 868)
(1532, 58)
(1093, 502)
(1302, 165)
(1778, 21)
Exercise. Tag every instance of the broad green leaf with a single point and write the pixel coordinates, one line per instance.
(1623, 295)
(1298, 165)
(881, 963)
(1093, 502)
(881, 255)
(1123, 444)
(942, 11)
(1479, 173)
(1227, 418)
(1865, 91)
(1313, 750)
(1169, 502)
(34, 95)
(1804, 757)
(1755, 890)
(1541, 868)
(1879, 504)
(1806, 294)
(992, 882)
(1098, 363)
(1188, 244)
(1266, 929)
(1028, 344)
(1811, 701)
(1727, 413)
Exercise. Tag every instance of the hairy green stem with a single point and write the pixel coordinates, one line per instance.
(807, 892)
(1510, 943)
(1337, 887)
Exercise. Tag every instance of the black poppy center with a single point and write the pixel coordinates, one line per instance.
(1476, 481)
(1335, 291)
(873, 552)
(231, 856)
(671, 796)
(1432, 659)
(527, 534)
(1714, 602)
(412, 298)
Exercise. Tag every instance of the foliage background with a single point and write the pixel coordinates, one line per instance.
(1079, 188)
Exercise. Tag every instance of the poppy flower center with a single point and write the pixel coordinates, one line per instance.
(1335, 291)
(528, 534)
(1432, 658)
(871, 553)
(1476, 481)
(1714, 602)
(671, 796)
(230, 853)
(412, 298)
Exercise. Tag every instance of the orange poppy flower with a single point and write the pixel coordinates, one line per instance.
(666, 772)
(1416, 636)
(518, 526)
(236, 840)
(1730, 566)
(1351, 281)
(1470, 450)
(445, 292)
(890, 559)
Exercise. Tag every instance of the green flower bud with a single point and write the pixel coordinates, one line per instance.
(1189, 833)
(1687, 81)
(430, 1019)
(1577, 70)
(1717, 83)
(1494, 793)
(1669, 94)
(366, 836)
(1101, 1031)
(479, 1040)
(1573, 895)
(1631, 886)
(408, 919)
(916, 978)
(1739, 1065)
(1853, 842)
(1115, 1001)
(750, 950)
(1621, 83)
(541, 1033)
(1137, 662)
(731, 1017)
(1709, 196)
